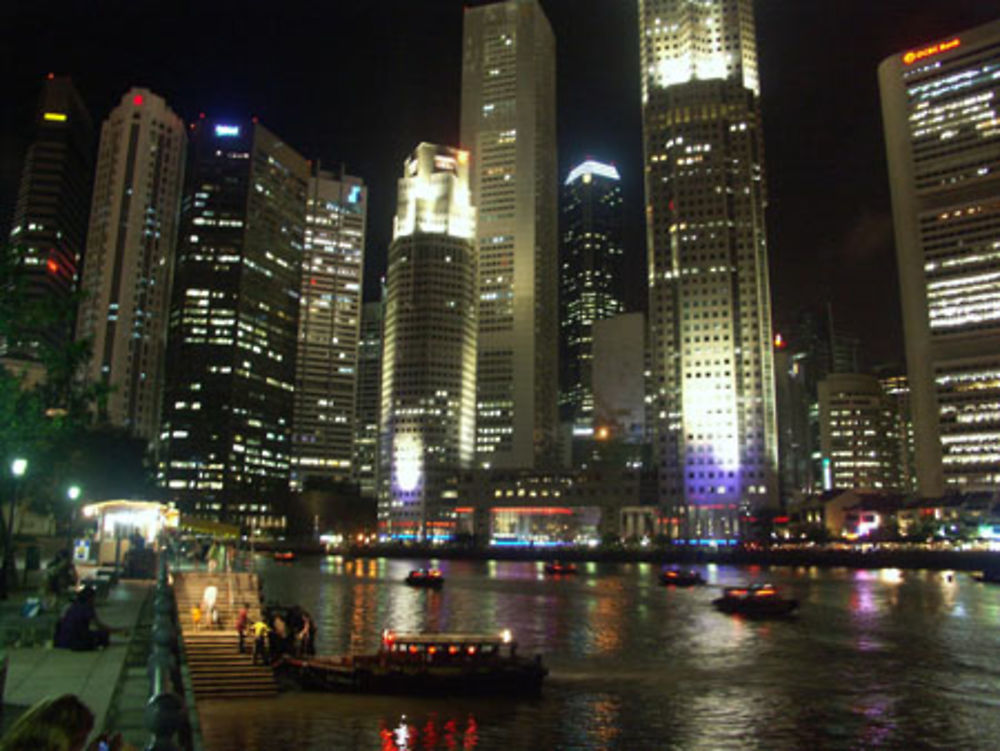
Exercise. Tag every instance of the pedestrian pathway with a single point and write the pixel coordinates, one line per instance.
(38, 671)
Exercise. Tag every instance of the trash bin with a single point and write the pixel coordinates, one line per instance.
(32, 558)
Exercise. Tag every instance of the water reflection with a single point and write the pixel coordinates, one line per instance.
(877, 658)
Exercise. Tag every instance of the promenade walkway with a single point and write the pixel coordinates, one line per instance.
(37, 671)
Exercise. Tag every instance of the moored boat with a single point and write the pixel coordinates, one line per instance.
(674, 577)
(423, 577)
(422, 663)
(558, 568)
(755, 601)
(988, 576)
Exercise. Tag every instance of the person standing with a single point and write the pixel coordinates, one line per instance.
(260, 634)
(242, 622)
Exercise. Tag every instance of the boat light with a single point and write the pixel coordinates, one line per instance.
(472, 650)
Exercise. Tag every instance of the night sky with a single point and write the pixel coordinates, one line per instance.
(362, 82)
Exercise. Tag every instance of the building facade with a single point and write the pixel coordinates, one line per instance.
(709, 295)
(943, 147)
(49, 229)
(590, 280)
(858, 439)
(329, 325)
(428, 415)
(130, 256)
(226, 436)
(508, 123)
(366, 406)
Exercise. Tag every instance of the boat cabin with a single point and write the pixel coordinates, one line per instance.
(440, 648)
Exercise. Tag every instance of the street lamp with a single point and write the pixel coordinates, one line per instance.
(18, 467)
(73, 493)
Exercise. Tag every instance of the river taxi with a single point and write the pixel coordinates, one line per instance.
(424, 577)
(675, 577)
(558, 568)
(444, 663)
(755, 601)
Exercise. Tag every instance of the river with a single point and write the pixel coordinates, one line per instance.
(876, 659)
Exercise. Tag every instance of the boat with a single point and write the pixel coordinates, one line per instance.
(423, 577)
(444, 663)
(755, 601)
(558, 568)
(675, 577)
(284, 555)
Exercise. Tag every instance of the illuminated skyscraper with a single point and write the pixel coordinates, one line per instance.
(509, 126)
(428, 410)
(709, 295)
(53, 201)
(590, 281)
(368, 398)
(329, 320)
(130, 255)
(226, 437)
(942, 132)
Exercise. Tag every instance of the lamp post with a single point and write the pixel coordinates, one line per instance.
(18, 467)
(73, 494)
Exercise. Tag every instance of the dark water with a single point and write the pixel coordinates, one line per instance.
(877, 659)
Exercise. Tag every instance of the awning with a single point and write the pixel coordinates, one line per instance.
(208, 526)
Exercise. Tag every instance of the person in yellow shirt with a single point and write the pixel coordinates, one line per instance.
(260, 632)
(196, 617)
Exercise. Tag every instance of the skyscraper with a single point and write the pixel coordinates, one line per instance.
(366, 408)
(508, 124)
(130, 252)
(329, 321)
(429, 347)
(226, 437)
(709, 295)
(591, 281)
(943, 146)
(53, 201)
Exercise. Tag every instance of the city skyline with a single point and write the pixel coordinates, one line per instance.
(823, 138)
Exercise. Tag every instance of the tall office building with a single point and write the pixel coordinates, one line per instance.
(53, 201)
(942, 137)
(366, 409)
(329, 322)
(591, 281)
(428, 410)
(130, 253)
(226, 437)
(509, 125)
(709, 294)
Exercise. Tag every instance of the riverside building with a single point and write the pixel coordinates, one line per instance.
(226, 436)
(942, 135)
(329, 324)
(428, 415)
(130, 257)
(508, 123)
(712, 389)
(368, 399)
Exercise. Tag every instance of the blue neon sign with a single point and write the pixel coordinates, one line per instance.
(227, 131)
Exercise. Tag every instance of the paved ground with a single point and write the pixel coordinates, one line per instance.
(35, 672)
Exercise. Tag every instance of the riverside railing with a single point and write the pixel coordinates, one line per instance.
(166, 714)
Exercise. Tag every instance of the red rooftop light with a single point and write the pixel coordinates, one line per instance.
(137, 100)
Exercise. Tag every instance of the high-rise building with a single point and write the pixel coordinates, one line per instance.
(428, 410)
(130, 255)
(329, 322)
(709, 294)
(897, 391)
(858, 437)
(366, 409)
(591, 281)
(53, 202)
(226, 436)
(508, 124)
(618, 382)
(943, 146)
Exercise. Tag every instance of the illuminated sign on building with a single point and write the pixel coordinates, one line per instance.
(355, 195)
(54, 117)
(935, 49)
(227, 131)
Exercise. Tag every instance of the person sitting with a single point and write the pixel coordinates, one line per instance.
(73, 630)
(57, 724)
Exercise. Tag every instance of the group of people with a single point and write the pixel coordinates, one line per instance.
(279, 631)
(59, 724)
(206, 610)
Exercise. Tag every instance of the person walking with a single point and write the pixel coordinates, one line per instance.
(242, 622)
(260, 634)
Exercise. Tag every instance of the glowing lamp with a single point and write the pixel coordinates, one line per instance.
(137, 100)
(52, 265)
(54, 117)
(18, 467)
